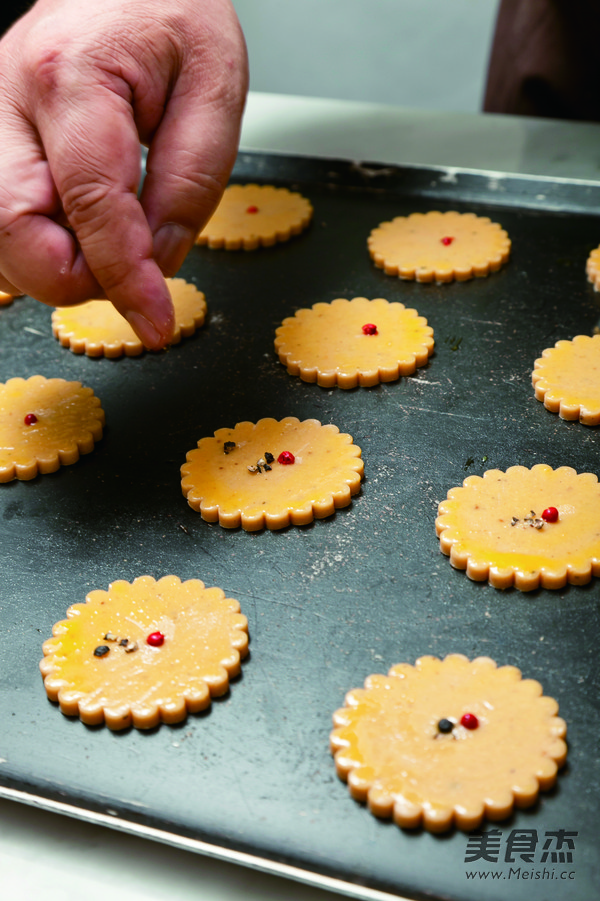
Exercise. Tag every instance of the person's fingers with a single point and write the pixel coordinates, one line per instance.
(93, 153)
(193, 150)
(188, 167)
(78, 95)
(37, 256)
(42, 259)
(7, 287)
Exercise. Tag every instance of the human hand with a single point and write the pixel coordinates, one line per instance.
(82, 82)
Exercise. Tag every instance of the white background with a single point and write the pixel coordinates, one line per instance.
(426, 54)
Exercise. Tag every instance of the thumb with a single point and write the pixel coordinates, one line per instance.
(192, 154)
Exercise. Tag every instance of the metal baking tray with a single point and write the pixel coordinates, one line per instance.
(328, 604)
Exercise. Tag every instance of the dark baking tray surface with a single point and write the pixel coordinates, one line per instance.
(333, 602)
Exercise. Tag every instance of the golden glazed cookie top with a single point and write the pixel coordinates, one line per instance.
(529, 528)
(45, 423)
(354, 342)
(566, 379)
(252, 216)
(272, 474)
(439, 247)
(448, 742)
(144, 652)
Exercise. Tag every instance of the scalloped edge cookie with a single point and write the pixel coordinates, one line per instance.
(354, 342)
(97, 329)
(566, 379)
(502, 536)
(592, 268)
(101, 661)
(272, 474)
(440, 247)
(68, 421)
(252, 216)
(390, 747)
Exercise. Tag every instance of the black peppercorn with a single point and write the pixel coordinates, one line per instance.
(445, 725)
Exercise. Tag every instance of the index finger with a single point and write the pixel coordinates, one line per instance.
(93, 151)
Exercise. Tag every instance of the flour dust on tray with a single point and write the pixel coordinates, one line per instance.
(439, 247)
(354, 342)
(253, 216)
(527, 528)
(97, 329)
(272, 474)
(44, 424)
(448, 742)
(145, 652)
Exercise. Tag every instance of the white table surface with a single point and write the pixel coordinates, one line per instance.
(49, 857)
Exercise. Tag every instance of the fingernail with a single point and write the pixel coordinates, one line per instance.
(171, 245)
(145, 330)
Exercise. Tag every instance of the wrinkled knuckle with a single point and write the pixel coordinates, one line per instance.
(45, 67)
(206, 187)
(50, 69)
(84, 202)
(202, 193)
(111, 274)
(8, 214)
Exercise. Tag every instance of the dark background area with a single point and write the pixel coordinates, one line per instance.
(11, 10)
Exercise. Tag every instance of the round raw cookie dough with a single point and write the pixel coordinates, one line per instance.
(354, 342)
(566, 379)
(592, 268)
(97, 329)
(448, 742)
(439, 247)
(252, 216)
(144, 652)
(272, 474)
(45, 424)
(527, 528)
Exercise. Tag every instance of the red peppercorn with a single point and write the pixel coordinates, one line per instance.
(446, 241)
(469, 721)
(155, 639)
(550, 514)
(286, 458)
(252, 209)
(369, 329)
(30, 419)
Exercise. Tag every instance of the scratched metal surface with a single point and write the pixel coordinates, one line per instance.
(333, 602)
